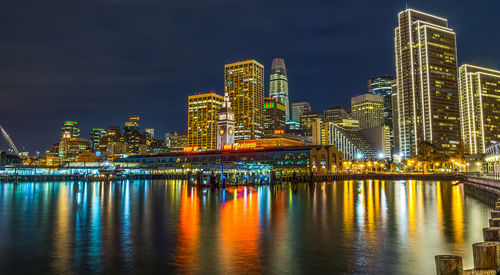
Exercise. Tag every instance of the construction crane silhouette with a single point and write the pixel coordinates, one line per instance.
(9, 140)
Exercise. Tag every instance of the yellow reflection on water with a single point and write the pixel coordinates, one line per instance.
(457, 214)
(62, 235)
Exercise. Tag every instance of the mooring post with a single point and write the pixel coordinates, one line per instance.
(486, 256)
(491, 234)
(449, 265)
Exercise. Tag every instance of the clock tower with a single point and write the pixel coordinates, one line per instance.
(225, 124)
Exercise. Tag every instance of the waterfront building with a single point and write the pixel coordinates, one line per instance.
(150, 132)
(368, 109)
(382, 86)
(132, 124)
(69, 148)
(335, 113)
(278, 85)
(136, 143)
(96, 134)
(225, 124)
(395, 120)
(274, 117)
(298, 108)
(244, 83)
(254, 163)
(266, 143)
(479, 90)
(70, 129)
(350, 142)
(202, 120)
(492, 158)
(306, 122)
(178, 142)
(427, 92)
(88, 155)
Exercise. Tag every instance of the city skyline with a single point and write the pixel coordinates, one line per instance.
(92, 109)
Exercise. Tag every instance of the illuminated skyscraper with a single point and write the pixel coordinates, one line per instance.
(479, 107)
(382, 86)
(427, 92)
(70, 129)
(244, 83)
(278, 84)
(306, 122)
(95, 136)
(368, 109)
(202, 120)
(132, 124)
(298, 108)
(274, 117)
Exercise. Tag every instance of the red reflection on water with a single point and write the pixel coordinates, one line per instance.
(239, 232)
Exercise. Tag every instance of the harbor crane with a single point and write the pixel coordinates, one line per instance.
(9, 140)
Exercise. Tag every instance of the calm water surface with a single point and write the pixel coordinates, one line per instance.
(361, 227)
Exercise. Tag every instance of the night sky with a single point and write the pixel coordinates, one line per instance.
(97, 61)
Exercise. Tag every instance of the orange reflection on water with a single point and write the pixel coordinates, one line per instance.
(188, 230)
(62, 232)
(239, 232)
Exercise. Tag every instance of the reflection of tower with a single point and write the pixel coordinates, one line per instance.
(225, 124)
(278, 86)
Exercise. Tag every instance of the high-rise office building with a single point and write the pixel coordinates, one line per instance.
(70, 129)
(225, 124)
(278, 84)
(202, 120)
(368, 109)
(177, 141)
(427, 92)
(382, 86)
(132, 124)
(334, 113)
(306, 122)
(95, 137)
(244, 83)
(479, 90)
(274, 117)
(298, 108)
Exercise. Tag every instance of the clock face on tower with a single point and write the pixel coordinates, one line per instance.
(230, 131)
(221, 131)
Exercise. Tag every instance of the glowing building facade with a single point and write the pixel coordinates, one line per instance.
(368, 109)
(427, 92)
(95, 137)
(70, 129)
(274, 117)
(202, 120)
(382, 86)
(225, 124)
(298, 108)
(244, 83)
(479, 90)
(278, 84)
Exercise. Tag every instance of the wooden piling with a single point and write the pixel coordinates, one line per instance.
(449, 265)
(486, 255)
(495, 222)
(491, 234)
(495, 214)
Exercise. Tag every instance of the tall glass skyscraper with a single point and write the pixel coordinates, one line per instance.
(381, 86)
(427, 92)
(278, 85)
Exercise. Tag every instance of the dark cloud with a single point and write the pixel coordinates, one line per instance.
(99, 61)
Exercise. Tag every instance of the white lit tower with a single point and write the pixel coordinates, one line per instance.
(278, 85)
(225, 124)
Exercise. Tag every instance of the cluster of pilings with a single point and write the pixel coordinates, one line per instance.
(486, 254)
